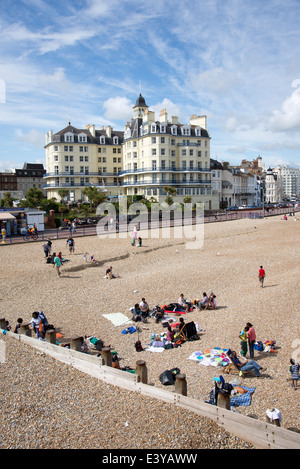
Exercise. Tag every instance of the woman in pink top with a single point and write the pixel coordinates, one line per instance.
(251, 339)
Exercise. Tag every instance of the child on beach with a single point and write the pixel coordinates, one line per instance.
(294, 370)
(244, 341)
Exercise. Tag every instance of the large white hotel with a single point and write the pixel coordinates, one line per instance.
(141, 161)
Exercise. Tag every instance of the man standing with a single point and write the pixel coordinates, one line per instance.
(261, 275)
(71, 244)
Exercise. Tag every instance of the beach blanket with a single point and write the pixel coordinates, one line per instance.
(154, 349)
(211, 357)
(242, 399)
(117, 319)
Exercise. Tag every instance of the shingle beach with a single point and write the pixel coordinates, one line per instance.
(46, 404)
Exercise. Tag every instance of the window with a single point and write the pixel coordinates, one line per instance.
(81, 169)
(66, 169)
(174, 130)
(116, 140)
(162, 151)
(71, 148)
(172, 152)
(114, 150)
(80, 158)
(153, 151)
(153, 128)
(191, 152)
(71, 158)
(86, 158)
(55, 157)
(56, 148)
(86, 149)
(153, 140)
(163, 129)
(153, 165)
(66, 158)
(102, 139)
(69, 137)
(183, 152)
(198, 132)
(81, 149)
(99, 150)
(82, 138)
(66, 148)
(199, 154)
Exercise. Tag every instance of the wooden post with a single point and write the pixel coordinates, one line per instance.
(25, 330)
(75, 343)
(3, 323)
(141, 371)
(224, 401)
(106, 356)
(50, 336)
(181, 384)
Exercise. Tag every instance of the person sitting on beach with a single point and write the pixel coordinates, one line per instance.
(139, 242)
(170, 334)
(136, 313)
(249, 365)
(203, 302)
(109, 273)
(144, 308)
(18, 325)
(183, 302)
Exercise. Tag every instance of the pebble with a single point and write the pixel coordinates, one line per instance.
(46, 404)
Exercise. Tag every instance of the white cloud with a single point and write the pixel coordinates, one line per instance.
(217, 81)
(118, 108)
(288, 118)
(171, 108)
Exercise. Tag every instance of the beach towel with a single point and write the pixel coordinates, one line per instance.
(129, 330)
(118, 319)
(211, 357)
(243, 399)
(154, 349)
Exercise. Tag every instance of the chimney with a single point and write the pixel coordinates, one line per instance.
(174, 120)
(163, 116)
(108, 131)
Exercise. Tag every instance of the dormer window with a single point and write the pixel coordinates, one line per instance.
(69, 137)
(116, 140)
(102, 139)
(82, 138)
(185, 130)
(174, 130)
(198, 131)
(163, 128)
(153, 128)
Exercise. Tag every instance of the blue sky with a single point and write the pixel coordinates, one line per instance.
(85, 61)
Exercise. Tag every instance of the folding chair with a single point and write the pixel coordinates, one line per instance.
(209, 303)
(234, 369)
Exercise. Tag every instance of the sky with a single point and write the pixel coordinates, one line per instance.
(86, 61)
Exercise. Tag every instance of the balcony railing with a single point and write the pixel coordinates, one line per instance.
(159, 182)
(79, 174)
(165, 169)
(77, 184)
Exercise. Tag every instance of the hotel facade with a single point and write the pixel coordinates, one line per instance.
(149, 156)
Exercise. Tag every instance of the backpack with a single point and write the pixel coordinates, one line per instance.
(138, 346)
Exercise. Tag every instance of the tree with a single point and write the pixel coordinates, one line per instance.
(170, 191)
(94, 195)
(187, 199)
(63, 193)
(8, 200)
(34, 197)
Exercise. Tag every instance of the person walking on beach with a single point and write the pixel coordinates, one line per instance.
(261, 276)
(57, 264)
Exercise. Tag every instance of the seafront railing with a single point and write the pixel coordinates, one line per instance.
(92, 229)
